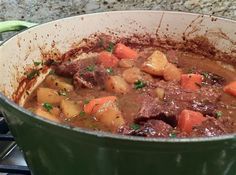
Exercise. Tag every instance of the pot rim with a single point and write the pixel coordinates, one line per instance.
(102, 134)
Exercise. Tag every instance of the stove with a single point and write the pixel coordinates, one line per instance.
(11, 159)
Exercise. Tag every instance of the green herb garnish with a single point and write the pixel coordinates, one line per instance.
(90, 68)
(206, 75)
(62, 93)
(47, 106)
(86, 101)
(33, 74)
(37, 63)
(82, 113)
(110, 47)
(135, 126)
(218, 114)
(109, 70)
(139, 84)
(52, 72)
(204, 83)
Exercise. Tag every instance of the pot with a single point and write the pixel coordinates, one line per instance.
(54, 149)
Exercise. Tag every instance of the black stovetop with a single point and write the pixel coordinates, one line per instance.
(11, 159)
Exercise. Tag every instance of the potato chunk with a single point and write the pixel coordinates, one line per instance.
(155, 64)
(116, 84)
(160, 93)
(56, 82)
(111, 116)
(131, 75)
(47, 95)
(70, 108)
(126, 63)
(48, 115)
(171, 72)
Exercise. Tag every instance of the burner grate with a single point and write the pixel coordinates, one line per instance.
(11, 159)
(14, 169)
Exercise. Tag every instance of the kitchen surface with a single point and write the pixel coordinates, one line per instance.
(47, 10)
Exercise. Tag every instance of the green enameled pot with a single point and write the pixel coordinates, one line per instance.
(54, 149)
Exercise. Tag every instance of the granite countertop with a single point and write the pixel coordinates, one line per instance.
(47, 10)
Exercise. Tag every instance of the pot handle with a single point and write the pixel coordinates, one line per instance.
(7, 26)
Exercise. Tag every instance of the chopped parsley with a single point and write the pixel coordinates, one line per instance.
(86, 101)
(204, 83)
(90, 68)
(139, 84)
(62, 93)
(52, 72)
(37, 63)
(218, 114)
(135, 126)
(206, 75)
(109, 70)
(33, 74)
(110, 47)
(82, 113)
(47, 106)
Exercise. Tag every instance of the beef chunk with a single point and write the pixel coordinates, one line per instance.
(152, 128)
(170, 119)
(205, 107)
(160, 110)
(149, 107)
(174, 92)
(176, 98)
(210, 127)
(211, 94)
(70, 68)
(90, 79)
(83, 71)
(228, 123)
(212, 79)
(154, 109)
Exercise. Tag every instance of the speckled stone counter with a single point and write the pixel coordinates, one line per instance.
(46, 10)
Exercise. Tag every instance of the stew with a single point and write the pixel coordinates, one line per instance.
(134, 90)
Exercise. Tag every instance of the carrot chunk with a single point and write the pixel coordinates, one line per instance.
(191, 82)
(94, 105)
(188, 119)
(124, 52)
(107, 59)
(230, 88)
